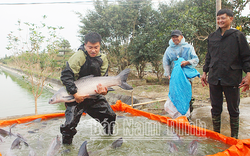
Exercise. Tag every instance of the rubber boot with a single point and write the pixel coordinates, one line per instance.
(67, 139)
(67, 134)
(191, 108)
(191, 104)
(108, 127)
(216, 123)
(234, 124)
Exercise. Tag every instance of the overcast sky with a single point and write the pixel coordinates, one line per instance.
(57, 15)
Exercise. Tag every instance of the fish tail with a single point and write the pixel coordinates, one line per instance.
(12, 127)
(124, 75)
(83, 150)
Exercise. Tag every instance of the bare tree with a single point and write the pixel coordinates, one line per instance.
(35, 54)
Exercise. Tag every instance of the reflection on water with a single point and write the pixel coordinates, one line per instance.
(141, 136)
(17, 98)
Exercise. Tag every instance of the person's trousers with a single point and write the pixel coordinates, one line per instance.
(191, 107)
(98, 109)
(232, 95)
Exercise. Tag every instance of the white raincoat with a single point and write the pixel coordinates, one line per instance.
(173, 52)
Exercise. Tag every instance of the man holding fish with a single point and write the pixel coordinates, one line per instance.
(85, 62)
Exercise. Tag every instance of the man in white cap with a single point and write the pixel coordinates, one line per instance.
(179, 48)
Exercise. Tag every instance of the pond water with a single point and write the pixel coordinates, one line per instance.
(17, 99)
(141, 136)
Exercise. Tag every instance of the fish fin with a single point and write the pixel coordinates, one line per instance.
(93, 96)
(16, 143)
(70, 97)
(85, 77)
(111, 89)
(4, 133)
(37, 120)
(12, 127)
(172, 147)
(125, 86)
(124, 75)
(117, 143)
(25, 143)
(83, 149)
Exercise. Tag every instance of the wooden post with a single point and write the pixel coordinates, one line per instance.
(144, 103)
(132, 102)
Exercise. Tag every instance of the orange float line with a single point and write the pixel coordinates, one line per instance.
(238, 148)
(30, 118)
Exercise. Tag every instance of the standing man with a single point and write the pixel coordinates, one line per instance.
(84, 62)
(179, 48)
(228, 54)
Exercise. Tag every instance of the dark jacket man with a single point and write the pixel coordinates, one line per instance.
(228, 54)
(86, 61)
(225, 59)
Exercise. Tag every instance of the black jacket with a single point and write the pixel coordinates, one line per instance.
(227, 56)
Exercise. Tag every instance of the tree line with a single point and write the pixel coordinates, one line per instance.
(136, 33)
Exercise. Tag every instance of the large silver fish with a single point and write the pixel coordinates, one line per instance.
(17, 142)
(54, 146)
(192, 148)
(5, 133)
(117, 143)
(83, 149)
(172, 147)
(87, 86)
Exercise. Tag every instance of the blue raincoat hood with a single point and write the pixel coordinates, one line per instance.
(172, 45)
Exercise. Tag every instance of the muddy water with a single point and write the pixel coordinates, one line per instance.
(141, 136)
